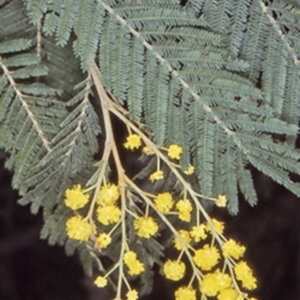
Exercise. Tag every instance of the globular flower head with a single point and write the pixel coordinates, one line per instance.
(227, 294)
(157, 175)
(233, 249)
(224, 280)
(245, 275)
(133, 142)
(145, 226)
(185, 293)
(164, 202)
(108, 214)
(207, 257)
(108, 195)
(132, 295)
(78, 228)
(185, 235)
(214, 283)
(75, 198)
(185, 208)
(190, 170)
(103, 240)
(221, 201)
(100, 281)
(148, 150)
(174, 270)
(174, 151)
(134, 265)
(218, 226)
(209, 285)
(198, 232)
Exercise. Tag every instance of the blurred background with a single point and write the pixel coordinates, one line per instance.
(32, 270)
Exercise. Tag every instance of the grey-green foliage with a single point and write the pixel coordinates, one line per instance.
(220, 78)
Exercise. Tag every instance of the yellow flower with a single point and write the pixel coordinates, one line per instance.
(174, 151)
(133, 141)
(164, 202)
(218, 226)
(156, 175)
(134, 265)
(148, 150)
(227, 294)
(100, 281)
(198, 232)
(185, 293)
(221, 201)
(213, 283)
(184, 207)
(244, 274)
(174, 270)
(78, 228)
(207, 257)
(108, 195)
(233, 249)
(185, 235)
(190, 170)
(130, 257)
(132, 295)
(224, 280)
(75, 198)
(209, 285)
(108, 214)
(103, 240)
(145, 226)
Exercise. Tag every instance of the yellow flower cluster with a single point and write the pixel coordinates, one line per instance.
(207, 257)
(185, 236)
(232, 249)
(78, 228)
(100, 281)
(135, 267)
(198, 233)
(185, 293)
(164, 202)
(174, 151)
(245, 275)
(133, 142)
(145, 226)
(185, 208)
(174, 270)
(221, 201)
(108, 194)
(157, 175)
(214, 283)
(75, 198)
(108, 212)
(103, 240)
(132, 295)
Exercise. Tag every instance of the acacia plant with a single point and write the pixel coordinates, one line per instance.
(203, 89)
